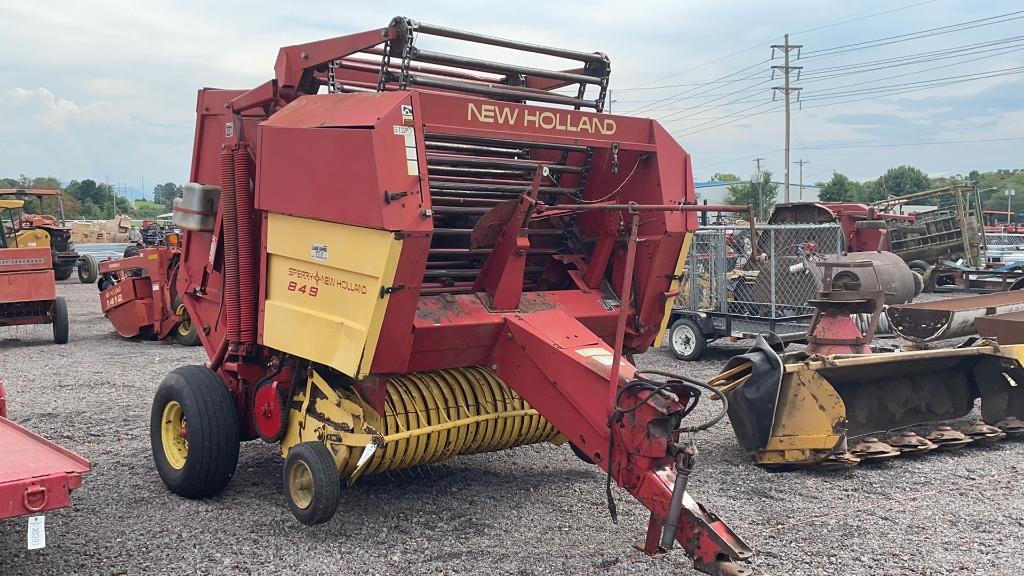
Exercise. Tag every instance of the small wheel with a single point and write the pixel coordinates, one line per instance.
(919, 266)
(686, 339)
(60, 320)
(88, 270)
(186, 332)
(311, 483)
(193, 432)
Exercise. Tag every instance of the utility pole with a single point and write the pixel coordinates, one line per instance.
(1009, 211)
(801, 163)
(786, 90)
(757, 190)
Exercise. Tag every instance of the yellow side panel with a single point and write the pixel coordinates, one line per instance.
(684, 252)
(324, 285)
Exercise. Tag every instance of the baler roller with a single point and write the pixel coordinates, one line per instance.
(484, 141)
(432, 416)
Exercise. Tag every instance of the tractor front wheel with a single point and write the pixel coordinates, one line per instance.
(311, 483)
(193, 432)
(63, 271)
(60, 320)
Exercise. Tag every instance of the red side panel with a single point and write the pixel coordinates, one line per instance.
(24, 259)
(27, 287)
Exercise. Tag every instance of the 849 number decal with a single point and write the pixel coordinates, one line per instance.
(303, 289)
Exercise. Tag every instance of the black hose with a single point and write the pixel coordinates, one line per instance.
(642, 379)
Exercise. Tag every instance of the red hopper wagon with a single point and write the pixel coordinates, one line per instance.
(394, 256)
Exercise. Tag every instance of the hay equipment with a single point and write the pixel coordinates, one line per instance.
(28, 291)
(830, 404)
(437, 255)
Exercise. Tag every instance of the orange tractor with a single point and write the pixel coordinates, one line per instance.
(28, 291)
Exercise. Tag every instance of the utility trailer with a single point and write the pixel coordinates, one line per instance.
(438, 255)
(36, 475)
(731, 290)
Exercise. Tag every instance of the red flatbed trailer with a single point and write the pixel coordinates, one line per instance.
(36, 475)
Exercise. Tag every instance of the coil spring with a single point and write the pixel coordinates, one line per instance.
(246, 248)
(417, 400)
(229, 242)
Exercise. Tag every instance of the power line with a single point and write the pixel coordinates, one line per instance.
(674, 97)
(955, 50)
(948, 29)
(859, 18)
(905, 144)
(762, 43)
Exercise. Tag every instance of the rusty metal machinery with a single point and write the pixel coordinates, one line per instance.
(394, 255)
(830, 404)
(953, 317)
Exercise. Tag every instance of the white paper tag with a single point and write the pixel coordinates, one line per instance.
(36, 532)
(318, 252)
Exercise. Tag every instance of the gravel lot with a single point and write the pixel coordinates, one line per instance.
(534, 510)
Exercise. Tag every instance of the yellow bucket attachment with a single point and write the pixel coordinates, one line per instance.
(801, 410)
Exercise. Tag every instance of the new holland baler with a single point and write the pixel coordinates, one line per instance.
(394, 256)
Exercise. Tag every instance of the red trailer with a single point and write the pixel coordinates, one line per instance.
(36, 475)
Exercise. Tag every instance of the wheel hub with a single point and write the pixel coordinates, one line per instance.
(174, 435)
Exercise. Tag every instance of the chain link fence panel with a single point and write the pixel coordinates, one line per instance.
(727, 279)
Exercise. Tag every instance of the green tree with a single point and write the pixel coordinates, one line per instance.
(840, 188)
(761, 196)
(724, 177)
(902, 180)
(166, 193)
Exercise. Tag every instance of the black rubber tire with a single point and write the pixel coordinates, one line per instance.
(130, 251)
(190, 338)
(212, 432)
(326, 483)
(88, 269)
(63, 272)
(919, 266)
(60, 320)
(104, 282)
(581, 454)
(699, 341)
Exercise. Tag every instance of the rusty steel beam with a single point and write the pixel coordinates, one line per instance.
(952, 318)
(1004, 328)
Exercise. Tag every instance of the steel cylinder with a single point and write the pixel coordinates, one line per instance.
(888, 273)
(496, 418)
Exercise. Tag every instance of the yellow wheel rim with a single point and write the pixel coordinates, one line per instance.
(174, 435)
(185, 326)
(300, 484)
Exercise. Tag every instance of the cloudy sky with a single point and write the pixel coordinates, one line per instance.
(106, 89)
